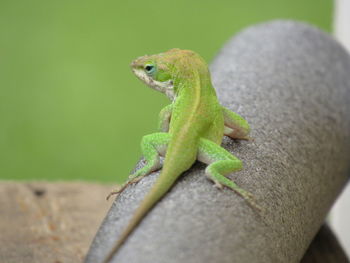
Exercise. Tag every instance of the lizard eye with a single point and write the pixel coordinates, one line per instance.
(149, 69)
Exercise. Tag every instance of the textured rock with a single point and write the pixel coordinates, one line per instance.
(292, 83)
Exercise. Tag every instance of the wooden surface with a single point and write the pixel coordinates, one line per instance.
(49, 222)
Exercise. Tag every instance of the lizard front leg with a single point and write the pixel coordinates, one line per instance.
(164, 118)
(220, 163)
(236, 126)
(152, 146)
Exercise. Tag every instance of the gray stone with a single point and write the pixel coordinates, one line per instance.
(292, 83)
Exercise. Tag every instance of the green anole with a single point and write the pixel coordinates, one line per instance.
(191, 128)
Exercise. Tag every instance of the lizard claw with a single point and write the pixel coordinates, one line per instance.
(217, 185)
(117, 192)
(247, 138)
(134, 178)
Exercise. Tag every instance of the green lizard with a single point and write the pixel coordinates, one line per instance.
(191, 128)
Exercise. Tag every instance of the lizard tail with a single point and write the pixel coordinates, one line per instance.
(160, 188)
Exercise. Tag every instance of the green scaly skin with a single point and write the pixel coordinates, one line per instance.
(191, 128)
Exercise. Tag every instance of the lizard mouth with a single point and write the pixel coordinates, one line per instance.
(141, 74)
(166, 87)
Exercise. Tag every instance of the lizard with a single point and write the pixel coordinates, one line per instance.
(190, 128)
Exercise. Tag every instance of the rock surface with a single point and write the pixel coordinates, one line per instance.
(292, 83)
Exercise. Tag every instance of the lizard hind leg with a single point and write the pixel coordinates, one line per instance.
(220, 163)
(152, 146)
(236, 126)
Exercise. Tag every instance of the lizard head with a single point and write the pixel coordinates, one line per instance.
(155, 72)
(161, 71)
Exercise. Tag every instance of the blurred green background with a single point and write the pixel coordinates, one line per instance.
(70, 107)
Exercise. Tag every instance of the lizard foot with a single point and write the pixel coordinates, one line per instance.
(116, 192)
(132, 180)
(248, 197)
